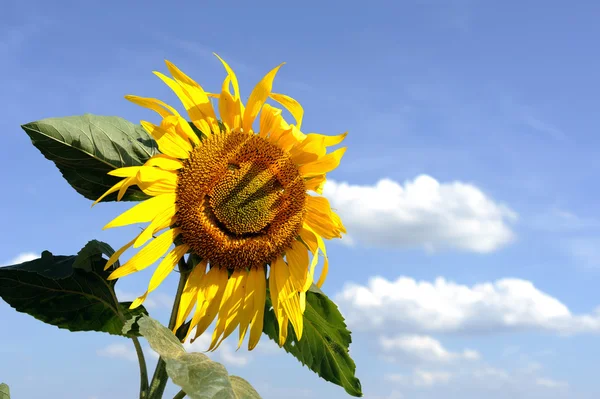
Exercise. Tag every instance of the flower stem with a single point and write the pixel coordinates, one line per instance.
(160, 377)
(138, 349)
(143, 369)
(179, 395)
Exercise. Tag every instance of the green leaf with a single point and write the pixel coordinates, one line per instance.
(91, 255)
(325, 341)
(195, 373)
(242, 388)
(69, 292)
(4, 391)
(86, 147)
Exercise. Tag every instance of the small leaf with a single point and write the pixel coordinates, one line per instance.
(91, 255)
(195, 373)
(86, 147)
(53, 290)
(4, 391)
(325, 341)
(242, 388)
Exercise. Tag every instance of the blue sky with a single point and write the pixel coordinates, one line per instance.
(473, 258)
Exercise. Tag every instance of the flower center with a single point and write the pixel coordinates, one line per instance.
(240, 200)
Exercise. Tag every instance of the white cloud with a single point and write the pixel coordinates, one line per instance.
(22, 257)
(549, 383)
(422, 213)
(225, 354)
(268, 347)
(443, 306)
(477, 380)
(230, 357)
(421, 378)
(118, 351)
(421, 349)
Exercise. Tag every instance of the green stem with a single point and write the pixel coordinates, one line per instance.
(138, 349)
(143, 369)
(160, 377)
(179, 395)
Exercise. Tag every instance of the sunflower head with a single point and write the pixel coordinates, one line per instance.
(244, 201)
(240, 199)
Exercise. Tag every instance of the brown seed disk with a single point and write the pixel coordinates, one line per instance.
(240, 200)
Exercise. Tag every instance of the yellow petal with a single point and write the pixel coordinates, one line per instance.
(320, 217)
(128, 182)
(297, 259)
(283, 331)
(229, 110)
(338, 222)
(289, 138)
(313, 242)
(180, 127)
(309, 238)
(164, 162)
(282, 275)
(189, 294)
(324, 272)
(302, 301)
(234, 316)
(291, 105)
(110, 191)
(229, 309)
(247, 308)
(154, 104)
(294, 313)
(114, 257)
(288, 299)
(194, 92)
(204, 127)
(169, 141)
(270, 119)
(316, 183)
(232, 77)
(163, 220)
(325, 269)
(127, 171)
(184, 128)
(258, 312)
(155, 181)
(257, 98)
(274, 294)
(194, 111)
(166, 266)
(331, 140)
(209, 299)
(144, 211)
(325, 164)
(148, 255)
(313, 147)
(163, 269)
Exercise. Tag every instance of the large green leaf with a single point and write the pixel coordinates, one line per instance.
(86, 147)
(195, 373)
(325, 341)
(69, 292)
(4, 391)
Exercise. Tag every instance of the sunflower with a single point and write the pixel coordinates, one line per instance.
(236, 197)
